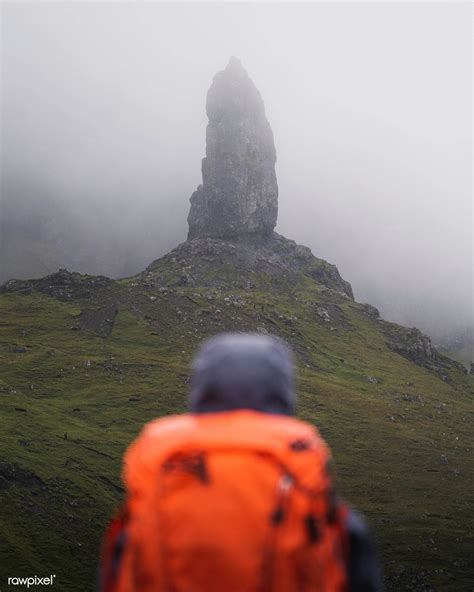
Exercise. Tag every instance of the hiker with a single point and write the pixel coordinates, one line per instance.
(236, 495)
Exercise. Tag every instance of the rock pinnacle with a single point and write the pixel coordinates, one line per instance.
(239, 193)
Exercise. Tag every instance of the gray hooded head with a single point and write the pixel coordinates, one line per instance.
(243, 371)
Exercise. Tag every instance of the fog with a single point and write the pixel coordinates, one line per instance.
(103, 132)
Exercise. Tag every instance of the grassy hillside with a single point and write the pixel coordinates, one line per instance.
(85, 361)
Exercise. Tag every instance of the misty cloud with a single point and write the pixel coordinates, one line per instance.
(103, 132)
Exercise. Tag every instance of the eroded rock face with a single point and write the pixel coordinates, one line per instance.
(239, 194)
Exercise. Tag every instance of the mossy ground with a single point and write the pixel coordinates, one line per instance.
(71, 401)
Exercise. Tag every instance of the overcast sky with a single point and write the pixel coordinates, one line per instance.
(103, 108)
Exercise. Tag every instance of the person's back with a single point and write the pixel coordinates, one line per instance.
(236, 495)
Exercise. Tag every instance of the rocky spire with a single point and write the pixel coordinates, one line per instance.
(239, 194)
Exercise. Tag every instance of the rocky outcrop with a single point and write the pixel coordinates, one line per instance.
(244, 263)
(413, 345)
(239, 193)
(63, 285)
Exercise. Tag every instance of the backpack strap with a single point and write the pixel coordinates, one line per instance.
(113, 546)
(363, 567)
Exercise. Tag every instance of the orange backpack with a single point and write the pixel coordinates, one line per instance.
(236, 501)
